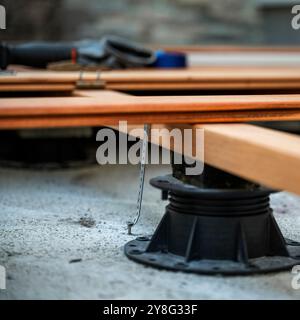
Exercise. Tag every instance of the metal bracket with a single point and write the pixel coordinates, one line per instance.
(97, 84)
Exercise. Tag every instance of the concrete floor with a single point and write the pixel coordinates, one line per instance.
(50, 219)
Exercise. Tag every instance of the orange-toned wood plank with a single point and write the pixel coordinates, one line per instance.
(82, 120)
(224, 74)
(262, 155)
(242, 85)
(36, 87)
(266, 156)
(203, 75)
(126, 104)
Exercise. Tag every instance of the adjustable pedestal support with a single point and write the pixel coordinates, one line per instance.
(206, 230)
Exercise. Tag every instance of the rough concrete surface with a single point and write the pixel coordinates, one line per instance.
(62, 235)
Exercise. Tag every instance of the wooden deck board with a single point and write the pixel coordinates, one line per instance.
(265, 156)
(94, 108)
(111, 103)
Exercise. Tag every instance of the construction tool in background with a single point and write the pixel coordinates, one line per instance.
(108, 53)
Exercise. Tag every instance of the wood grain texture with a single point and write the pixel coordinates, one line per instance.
(114, 103)
(95, 108)
(82, 120)
(210, 86)
(265, 156)
(203, 75)
(200, 78)
(200, 74)
(37, 87)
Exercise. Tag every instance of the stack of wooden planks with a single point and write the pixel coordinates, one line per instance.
(262, 155)
(35, 82)
(202, 78)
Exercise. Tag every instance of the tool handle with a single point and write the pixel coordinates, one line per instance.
(35, 54)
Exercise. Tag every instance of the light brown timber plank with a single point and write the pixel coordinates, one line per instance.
(265, 156)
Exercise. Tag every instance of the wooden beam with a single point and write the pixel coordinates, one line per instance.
(265, 156)
(61, 87)
(95, 120)
(197, 74)
(111, 103)
(201, 78)
(208, 86)
(108, 108)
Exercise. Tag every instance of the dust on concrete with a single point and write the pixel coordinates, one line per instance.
(87, 222)
(39, 219)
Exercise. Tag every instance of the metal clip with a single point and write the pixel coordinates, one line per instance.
(96, 84)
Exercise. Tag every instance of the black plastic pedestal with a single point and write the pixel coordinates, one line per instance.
(226, 231)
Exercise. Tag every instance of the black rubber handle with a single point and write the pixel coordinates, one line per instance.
(35, 54)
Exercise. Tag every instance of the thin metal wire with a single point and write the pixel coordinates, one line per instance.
(133, 222)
